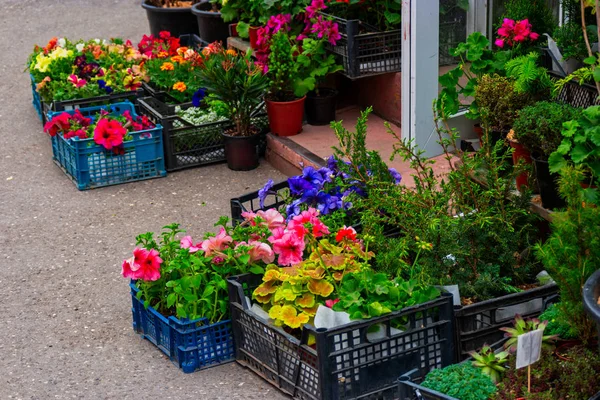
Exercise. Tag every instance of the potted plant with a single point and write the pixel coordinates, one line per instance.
(538, 130)
(318, 31)
(174, 16)
(570, 42)
(211, 26)
(591, 298)
(248, 13)
(238, 85)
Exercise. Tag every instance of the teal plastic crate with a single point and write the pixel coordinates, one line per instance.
(91, 166)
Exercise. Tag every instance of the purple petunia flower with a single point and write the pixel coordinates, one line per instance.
(197, 98)
(264, 192)
(396, 175)
(299, 185)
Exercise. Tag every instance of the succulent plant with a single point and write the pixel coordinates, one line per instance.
(522, 326)
(491, 363)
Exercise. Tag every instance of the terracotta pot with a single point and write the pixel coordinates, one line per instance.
(479, 131)
(285, 118)
(253, 33)
(233, 30)
(520, 153)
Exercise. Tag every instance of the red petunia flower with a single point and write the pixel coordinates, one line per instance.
(109, 133)
(59, 123)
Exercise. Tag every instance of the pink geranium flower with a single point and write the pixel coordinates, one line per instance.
(216, 243)
(187, 243)
(109, 133)
(309, 217)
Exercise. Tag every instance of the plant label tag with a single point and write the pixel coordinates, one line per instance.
(529, 348)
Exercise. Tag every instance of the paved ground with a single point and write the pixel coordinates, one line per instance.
(65, 319)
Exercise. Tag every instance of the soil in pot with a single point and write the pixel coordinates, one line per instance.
(285, 117)
(177, 20)
(241, 152)
(211, 26)
(547, 184)
(320, 109)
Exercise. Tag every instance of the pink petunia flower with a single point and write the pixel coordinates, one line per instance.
(144, 265)
(261, 251)
(74, 79)
(216, 243)
(289, 248)
(272, 218)
(109, 133)
(331, 302)
(187, 243)
(309, 217)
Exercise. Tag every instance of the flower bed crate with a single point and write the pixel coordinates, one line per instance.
(479, 323)
(36, 100)
(365, 51)
(90, 165)
(187, 145)
(345, 363)
(191, 345)
(575, 94)
(409, 389)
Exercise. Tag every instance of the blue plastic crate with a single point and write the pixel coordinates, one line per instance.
(191, 345)
(36, 100)
(90, 165)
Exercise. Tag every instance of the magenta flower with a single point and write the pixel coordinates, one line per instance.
(326, 29)
(309, 217)
(289, 248)
(187, 243)
(74, 79)
(331, 302)
(512, 32)
(144, 265)
(216, 243)
(277, 234)
(313, 9)
(499, 43)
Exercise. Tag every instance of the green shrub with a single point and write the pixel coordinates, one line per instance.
(538, 127)
(558, 324)
(462, 381)
(569, 39)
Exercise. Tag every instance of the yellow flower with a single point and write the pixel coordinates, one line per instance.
(167, 66)
(60, 52)
(231, 52)
(180, 86)
(42, 62)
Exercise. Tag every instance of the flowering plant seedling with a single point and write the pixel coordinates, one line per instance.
(522, 326)
(107, 130)
(491, 364)
(67, 70)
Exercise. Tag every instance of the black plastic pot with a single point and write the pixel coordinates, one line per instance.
(241, 152)
(211, 26)
(591, 293)
(178, 21)
(320, 110)
(547, 185)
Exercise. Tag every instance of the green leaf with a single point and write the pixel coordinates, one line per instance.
(597, 74)
(257, 270)
(392, 18)
(208, 290)
(579, 153)
(190, 297)
(244, 259)
(556, 162)
(171, 299)
(590, 60)
(243, 29)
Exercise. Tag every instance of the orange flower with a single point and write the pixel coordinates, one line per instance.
(177, 59)
(180, 86)
(182, 50)
(162, 54)
(231, 52)
(167, 66)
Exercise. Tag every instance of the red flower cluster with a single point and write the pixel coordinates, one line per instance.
(512, 32)
(162, 46)
(109, 133)
(69, 125)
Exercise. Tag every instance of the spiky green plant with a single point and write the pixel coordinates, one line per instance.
(522, 326)
(491, 363)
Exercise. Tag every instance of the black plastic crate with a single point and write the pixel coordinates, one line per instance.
(363, 50)
(68, 105)
(344, 363)
(187, 145)
(251, 202)
(480, 323)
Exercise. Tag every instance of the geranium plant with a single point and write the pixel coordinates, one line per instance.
(66, 70)
(237, 84)
(512, 33)
(106, 130)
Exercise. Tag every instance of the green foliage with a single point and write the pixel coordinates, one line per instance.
(367, 294)
(580, 146)
(499, 102)
(538, 127)
(289, 78)
(461, 381)
(558, 323)
(537, 11)
(551, 378)
(476, 60)
(237, 84)
(192, 285)
(522, 326)
(570, 41)
(316, 59)
(492, 364)
(383, 15)
(530, 79)
(572, 252)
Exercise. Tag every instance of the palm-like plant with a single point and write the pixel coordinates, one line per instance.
(236, 83)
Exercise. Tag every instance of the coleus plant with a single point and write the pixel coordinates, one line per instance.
(292, 292)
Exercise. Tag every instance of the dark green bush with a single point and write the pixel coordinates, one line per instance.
(558, 324)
